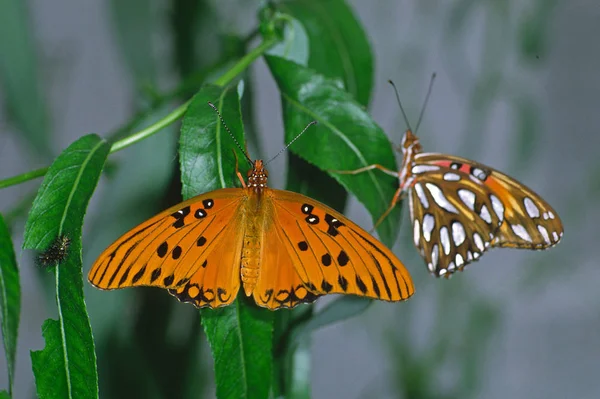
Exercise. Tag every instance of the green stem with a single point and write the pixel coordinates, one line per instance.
(177, 113)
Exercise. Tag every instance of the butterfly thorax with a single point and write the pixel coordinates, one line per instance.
(410, 147)
(258, 176)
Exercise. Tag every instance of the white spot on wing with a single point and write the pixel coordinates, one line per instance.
(545, 216)
(435, 253)
(556, 237)
(445, 239)
(478, 242)
(498, 207)
(451, 266)
(458, 234)
(459, 260)
(468, 197)
(421, 195)
(442, 272)
(451, 177)
(428, 224)
(440, 198)
(430, 267)
(520, 231)
(417, 169)
(544, 233)
(469, 256)
(485, 214)
(531, 209)
(417, 233)
(550, 215)
(478, 173)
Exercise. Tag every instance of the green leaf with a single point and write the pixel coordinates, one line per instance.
(4, 395)
(240, 337)
(239, 334)
(346, 138)
(338, 46)
(10, 295)
(19, 77)
(66, 367)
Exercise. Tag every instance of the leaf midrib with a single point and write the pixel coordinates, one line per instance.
(57, 270)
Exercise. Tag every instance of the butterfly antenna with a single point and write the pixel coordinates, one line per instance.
(229, 131)
(400, 104)
(291, 142)
(425, 102)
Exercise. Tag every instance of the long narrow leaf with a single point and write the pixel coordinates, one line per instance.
(240, 334)
(66, 367)
(10, 299)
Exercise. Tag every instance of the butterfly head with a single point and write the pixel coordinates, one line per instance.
(258, 175)
(410, 144)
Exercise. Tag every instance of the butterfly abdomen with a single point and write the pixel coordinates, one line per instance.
(252, 243)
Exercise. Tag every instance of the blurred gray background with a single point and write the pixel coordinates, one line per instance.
(517, 89)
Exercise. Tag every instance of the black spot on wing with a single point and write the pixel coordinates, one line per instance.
(138, 275)
(162, 249)
(375, 287)
(169, 280)
(326, 260)
(333, 225)
(208, 203)
(155, 274)
(176, 252)
(200, 213)
(325, 286)
(306, 209)
(361, 285)
(343, 282)
(124, 276)
(343, 258)
(180, 217)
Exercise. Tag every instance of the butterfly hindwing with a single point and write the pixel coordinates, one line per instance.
(452, 224)
(170, 249)
(279, 285)
(331, 254)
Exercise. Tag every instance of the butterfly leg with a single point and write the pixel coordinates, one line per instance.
(390, 172)
(237, 171)
(397, 197)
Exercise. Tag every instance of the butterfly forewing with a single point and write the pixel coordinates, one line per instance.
(452, 195)
(331, 254)
(170, 249)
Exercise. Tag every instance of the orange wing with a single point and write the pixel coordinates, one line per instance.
(313, 250)
(193, 249)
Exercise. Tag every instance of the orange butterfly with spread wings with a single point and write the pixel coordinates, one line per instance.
(282, 247)
(460, 208)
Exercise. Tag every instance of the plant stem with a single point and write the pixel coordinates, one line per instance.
(177, 113)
